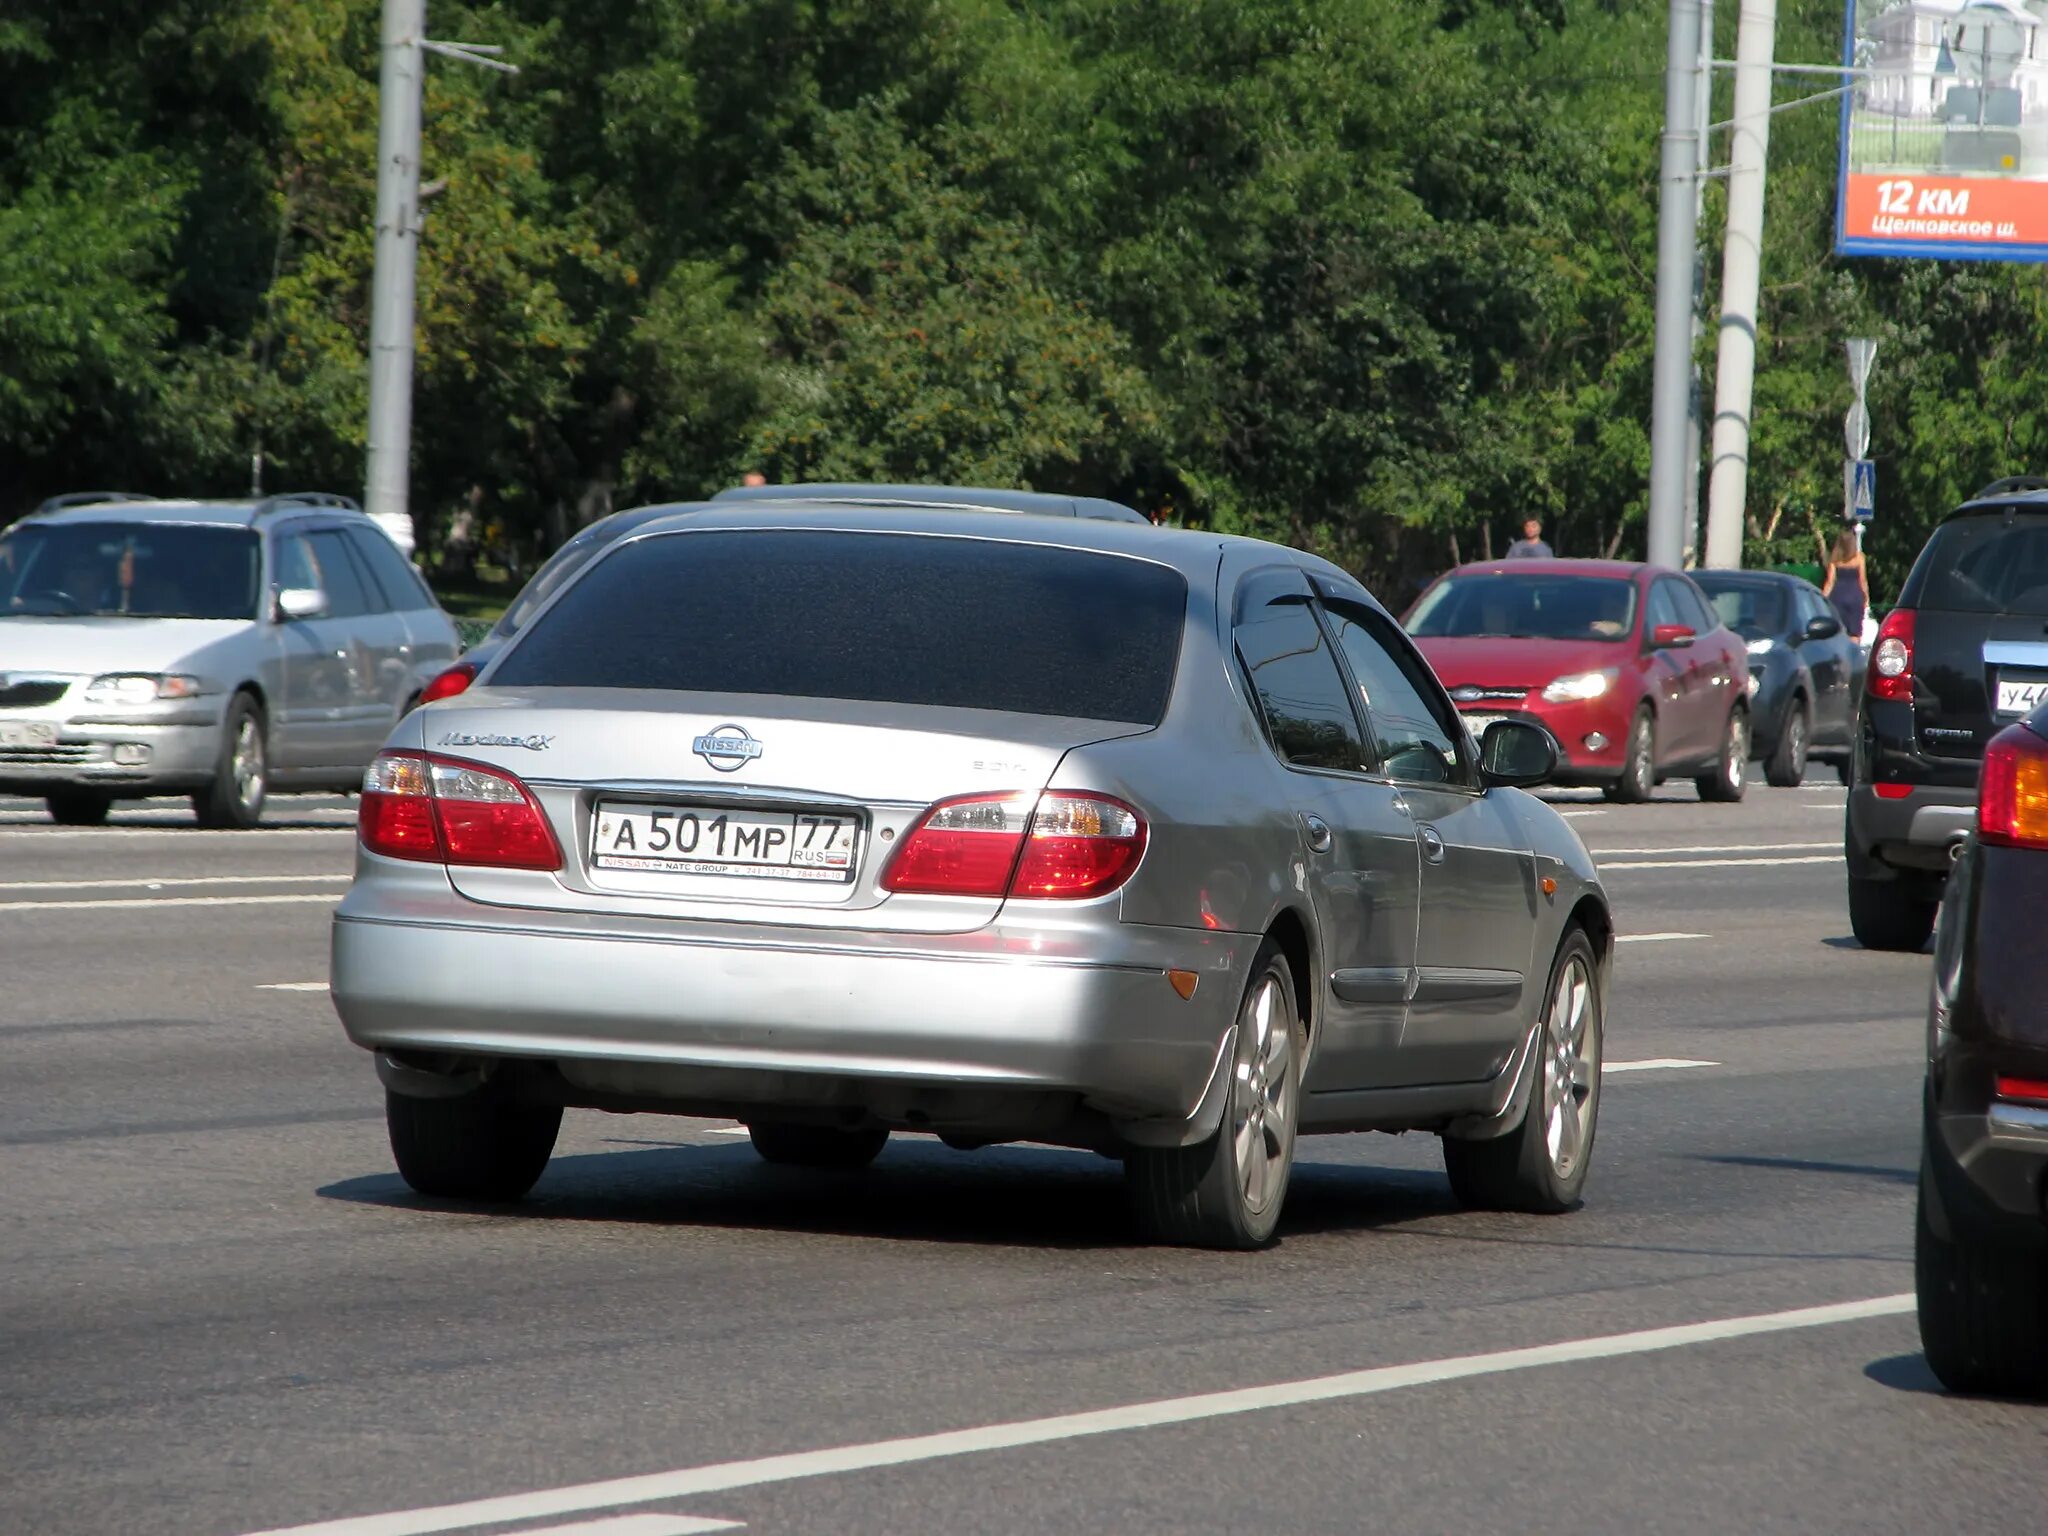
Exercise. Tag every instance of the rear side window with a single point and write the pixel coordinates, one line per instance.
(1985, 564)
(1301, 693)
(889, 618)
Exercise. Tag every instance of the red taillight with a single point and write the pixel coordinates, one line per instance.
(1891, 658)
(1892, 791)
(1066, 846)
(455, 680)
(442, 810)
(2012, 795)
(2029, 1090)
(1079, 845)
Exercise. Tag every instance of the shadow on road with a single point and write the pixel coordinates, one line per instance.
(1807, 1165)
(918, 1191)
(1904, 1373)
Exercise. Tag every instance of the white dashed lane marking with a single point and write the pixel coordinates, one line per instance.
(1656, 938)
(1653, 1064)
(724, 1477)
(1804, 858)
(116, 903)
(292, 986)
(130, 883)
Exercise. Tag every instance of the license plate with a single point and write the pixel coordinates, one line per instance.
(713, 840)
(28, 735)
(1477, 724)
(2021, 695)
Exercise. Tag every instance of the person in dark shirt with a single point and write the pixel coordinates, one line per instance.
(1530, 545)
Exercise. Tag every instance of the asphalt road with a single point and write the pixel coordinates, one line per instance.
(221, 1312)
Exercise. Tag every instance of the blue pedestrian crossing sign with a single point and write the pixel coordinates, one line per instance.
(1859, 490)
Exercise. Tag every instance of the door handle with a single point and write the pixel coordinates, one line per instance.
(1320, 838)
(1432, 844)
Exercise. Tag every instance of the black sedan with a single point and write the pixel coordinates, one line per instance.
(1805, 674)
(1981, 1245)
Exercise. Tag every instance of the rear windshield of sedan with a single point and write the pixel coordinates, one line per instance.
(1986, 564)
(889, 618)
(1514, 607)
(1749, 608)
(136, 570)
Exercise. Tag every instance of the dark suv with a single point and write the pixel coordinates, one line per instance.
(1964, 654)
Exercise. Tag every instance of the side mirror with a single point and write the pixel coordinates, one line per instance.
(1825, 627)
(1516, 753)
(301, 603)
(1666, 636)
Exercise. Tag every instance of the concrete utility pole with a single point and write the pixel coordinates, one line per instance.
(399, 87)
(398, 228)
(1696, 397)
(1677, 223)
(1741, 270)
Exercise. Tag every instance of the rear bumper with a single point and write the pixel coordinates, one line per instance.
(1922, 829)
(646, 1015)
(1987, 1169)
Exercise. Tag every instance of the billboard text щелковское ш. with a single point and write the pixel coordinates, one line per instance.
(1945, 130)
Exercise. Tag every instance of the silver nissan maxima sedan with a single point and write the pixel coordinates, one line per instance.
(843, 821)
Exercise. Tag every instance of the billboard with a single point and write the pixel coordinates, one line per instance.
(1945, 130)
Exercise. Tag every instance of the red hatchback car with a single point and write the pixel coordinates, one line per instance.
(1627, 665)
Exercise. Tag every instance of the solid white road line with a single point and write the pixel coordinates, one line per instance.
(1801, 858)
(723, 1477)
(1653, 1064)
(1656, 938)
(126, 832)
(130, 883)
(1604, 853)
(161, 901)
(291, 986)
(636, 1525)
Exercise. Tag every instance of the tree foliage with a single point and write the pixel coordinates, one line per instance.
(1372, 278)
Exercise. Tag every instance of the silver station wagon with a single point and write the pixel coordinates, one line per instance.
(843, 821)
(216, 649)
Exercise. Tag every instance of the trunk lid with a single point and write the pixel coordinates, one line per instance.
(802, 768)
(1979, 595)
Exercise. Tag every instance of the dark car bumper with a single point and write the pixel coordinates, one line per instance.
(1987, 1156)
(1907, 810)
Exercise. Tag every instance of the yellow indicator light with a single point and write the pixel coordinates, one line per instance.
(1183, 982)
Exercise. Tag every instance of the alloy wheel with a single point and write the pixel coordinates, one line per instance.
(1262, 1099)
(247, 765)
(1571, 1068)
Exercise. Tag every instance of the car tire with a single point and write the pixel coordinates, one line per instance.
(1983, 1311)
(1890, 914)
(1540, 1166)
(79, 807)
(816, 1146)
(1638, 762)
(1724, 782)
(1786, 766)
(1227, 1191)
(241, 775)
(481, 1145)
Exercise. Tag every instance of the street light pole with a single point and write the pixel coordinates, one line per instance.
(398, 227)
(1741, 273)
(1677, 224)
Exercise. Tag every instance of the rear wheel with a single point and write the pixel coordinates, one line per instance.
(1890, 914)
(1226, 1192)
(817, 1146)
(1786, 767)
(1724, 781)
(482, 1145)
(1983, 1312)
(79, 807)
(1540, 1166)
(241, 776)
(1638, 762)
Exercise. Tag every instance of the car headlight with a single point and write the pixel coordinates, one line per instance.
(1761, 644)
(141, 687)
(1580, 686)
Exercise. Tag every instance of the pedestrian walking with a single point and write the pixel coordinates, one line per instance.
(1530, 545)
(1845, 584)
